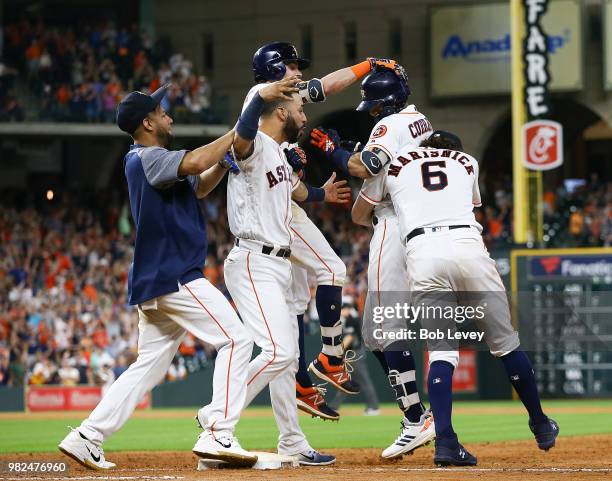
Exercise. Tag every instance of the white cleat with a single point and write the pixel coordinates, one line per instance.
(412, 436)
(223, 448)
(82, 450)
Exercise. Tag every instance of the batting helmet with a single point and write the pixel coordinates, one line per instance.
(269, 61)
(384, 87)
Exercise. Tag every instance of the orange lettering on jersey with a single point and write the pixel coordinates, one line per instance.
(379, 132)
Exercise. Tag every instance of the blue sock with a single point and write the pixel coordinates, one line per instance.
(302, 376)
(401, 364)
(329, 305)
(440, 385)
(519, 370)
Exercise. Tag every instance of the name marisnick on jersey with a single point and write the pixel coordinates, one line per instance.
(283, 174)
(460, 157)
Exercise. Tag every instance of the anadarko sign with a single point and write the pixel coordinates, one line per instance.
(470, 48)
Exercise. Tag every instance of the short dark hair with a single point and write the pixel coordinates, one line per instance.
(270, 107)
(441, 139)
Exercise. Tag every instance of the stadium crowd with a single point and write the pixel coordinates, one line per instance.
(63, 272)
(80, 73)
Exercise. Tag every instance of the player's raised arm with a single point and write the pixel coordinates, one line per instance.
(361, 213)
(248, 123)
(351, 163)
(337, 81)
(205, 157)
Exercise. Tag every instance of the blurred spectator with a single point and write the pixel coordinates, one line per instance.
(68, 374)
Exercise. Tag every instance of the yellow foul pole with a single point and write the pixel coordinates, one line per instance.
(519, 117)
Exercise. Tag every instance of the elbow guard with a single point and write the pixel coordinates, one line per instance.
(374, 160)
(311, 91)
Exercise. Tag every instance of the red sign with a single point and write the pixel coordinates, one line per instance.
(65, 398)
(543, 141)
(464, 377)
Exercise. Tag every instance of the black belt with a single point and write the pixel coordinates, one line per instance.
(374, 220)
(265, 249)
(421, 230)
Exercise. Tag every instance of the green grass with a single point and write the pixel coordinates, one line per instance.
(158, 434)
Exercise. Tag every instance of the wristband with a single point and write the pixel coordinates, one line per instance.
(340, 158)
(361, 69)
(315, 194)
(248, 123)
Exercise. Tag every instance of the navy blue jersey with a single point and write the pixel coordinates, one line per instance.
(171, 240)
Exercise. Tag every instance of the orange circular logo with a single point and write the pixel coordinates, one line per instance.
(379, 132)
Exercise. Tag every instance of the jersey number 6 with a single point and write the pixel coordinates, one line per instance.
(428, 175)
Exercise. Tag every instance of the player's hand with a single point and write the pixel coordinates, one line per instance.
(336, 192)
(297, 159)
(228, 162)
(281, 90)
(376, 63)
(325, 140)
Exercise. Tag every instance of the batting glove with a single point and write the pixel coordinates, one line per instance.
(228, 162)
(297, 159)
(325, 140)
(378, 63)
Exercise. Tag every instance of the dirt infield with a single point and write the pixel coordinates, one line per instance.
(580, 457)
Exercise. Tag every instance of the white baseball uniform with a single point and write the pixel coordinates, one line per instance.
(436, 190)
(259, 213)
(386, 269)
(310, 250)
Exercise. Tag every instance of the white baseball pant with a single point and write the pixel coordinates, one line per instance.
(458, 261)
(197, 307)
(260, 287)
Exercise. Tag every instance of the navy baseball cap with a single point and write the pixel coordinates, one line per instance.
(448, 137)
(135, 106)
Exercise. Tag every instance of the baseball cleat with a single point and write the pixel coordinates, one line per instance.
(223, 448)
(311, 401)
(337, 375)
(458, 456)
(85, 452)
(545, 433)
(412, 436)
(314, 458)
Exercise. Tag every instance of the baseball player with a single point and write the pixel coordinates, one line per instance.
(434, 189)
(310, 250)
(167, 285)
(258, 270)
(385, 95)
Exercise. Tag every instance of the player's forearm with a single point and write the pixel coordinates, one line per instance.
(361, 213)
(356, 167)
(210, 179)
(339, 80)
(300, 193)
(205, 157)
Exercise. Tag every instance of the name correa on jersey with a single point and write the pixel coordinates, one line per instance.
(394, 170)
(419, 128)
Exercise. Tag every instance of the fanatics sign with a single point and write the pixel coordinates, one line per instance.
(543, 141)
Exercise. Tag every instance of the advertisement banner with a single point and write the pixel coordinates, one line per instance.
(570, 267)
(543, 141)
(470, 48)
(68, 398)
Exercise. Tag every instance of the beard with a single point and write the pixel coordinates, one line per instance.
(164, 137)
(291, 130)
